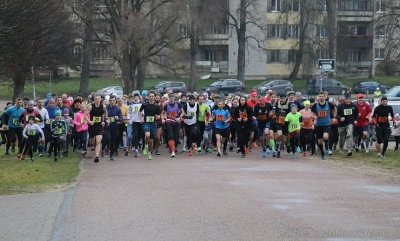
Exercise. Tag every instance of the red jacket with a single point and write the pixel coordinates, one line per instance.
(251, 103)
(365, 111)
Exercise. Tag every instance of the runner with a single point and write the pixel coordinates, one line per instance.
(262, 112)
(58, 130)
(136, 126)
(150, 115)
(202, 120)
(282, 109)
(51, 109)
(172, 115)
(233, 125)
(14, 125)
(347, 113)
(322, 111)
(69, 122)
(361, 128)
(45, 116)
(122, 124)
(110, 134)
(81, 121)
(31, 134)
(222, 118)
(382, 129)
(243, 115)
(307, 128)
(293, 120)
(190, 113)
(157, 142)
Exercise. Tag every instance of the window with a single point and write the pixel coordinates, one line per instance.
(209, 55)
(380, 6)
(321, 31)
(76, 50)
(380, 31)
(293, 6)
(292, 56)
(276, 31)
(275, 5)
(225, 54)
(321, 6)
(275, 56)
(293, 31)
(183, 30)
(354, 56)
(379, 54)
(355, 5)
(322, 54)
(222, 29)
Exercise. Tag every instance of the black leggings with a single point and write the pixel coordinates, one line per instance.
(14, 133)
(55, 145)
(232, 137)
(136, 130)
(294, 141)
(334, 138)
(382, 136)
(202, 127)
(306, 137)
(173, 132)
(243, 135)
(31, 145)
(110, 137)
(191, 134)
(121, 130)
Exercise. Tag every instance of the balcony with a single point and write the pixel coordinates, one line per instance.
(355, 41)
(214, 39)
(355, 10)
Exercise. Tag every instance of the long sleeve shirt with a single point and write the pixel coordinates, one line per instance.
(61, 128)
(45, 116)
(33, 130)
(81, 121)
(14, 114)
(69, 122)
(112, 112)
(349, 112)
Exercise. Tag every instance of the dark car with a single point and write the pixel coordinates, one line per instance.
(278, 86)
(368, 87)
(225, 85)
(332, 86)
(393, 94)
(164, 86)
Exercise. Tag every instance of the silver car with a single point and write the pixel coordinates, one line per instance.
(110, 90)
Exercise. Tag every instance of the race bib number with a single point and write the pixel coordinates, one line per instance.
(192, 114)
(348, 111)
(294, 126)
(27, 118)
(31, 132)
(136, 109)
(15, 121)
(111, 119)
(334, 121)
(58, 131)
(382, 119)
(51, 120)
(243, 115)
(273, 115)
(173, 114)
(322, 113)
(220, 117)
(262, 117)
(281, 120)
(149, 119)
(96, 119)
(201, 113)
(307, 123)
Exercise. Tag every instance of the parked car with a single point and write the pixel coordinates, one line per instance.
(278, 86)
(393, 94)
(368, 87)
(332, 86)
(163, 86)
(225, 85)
(110, 90)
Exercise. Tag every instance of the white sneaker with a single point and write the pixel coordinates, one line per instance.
(367, 150)
(173, 154)
(380, 155)
(330, 153)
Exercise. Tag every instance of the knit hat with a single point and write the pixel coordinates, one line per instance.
(57, 113)
(307, 102)
(384, 98)
(31, 102)
(144, 92)
(51, 100)
(66, 111)
(31, 117)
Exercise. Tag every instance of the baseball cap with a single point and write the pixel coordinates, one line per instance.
(347, 97)
(253, 94)
(360, 96)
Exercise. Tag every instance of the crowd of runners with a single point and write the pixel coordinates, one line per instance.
(199, 124)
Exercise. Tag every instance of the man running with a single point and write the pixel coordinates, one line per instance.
(262, 111)
(14, 125)
(361, 128)
(190, 113)
(98, 115)
(110, 135)
(382, 129)
(347, 113)
(148, 119)
(172, 115)
(322, 111)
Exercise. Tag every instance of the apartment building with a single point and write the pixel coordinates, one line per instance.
(359, 39)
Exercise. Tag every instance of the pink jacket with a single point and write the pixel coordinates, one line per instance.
(79, 122)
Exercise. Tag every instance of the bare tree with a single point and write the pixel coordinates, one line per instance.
(34, 32)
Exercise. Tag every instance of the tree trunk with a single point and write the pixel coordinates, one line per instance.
(331, 8)
(193, 54)
(19, 85)
(86, 61)
(141, 74)
(126, 71)
(300, 52)
(55, 74)
(241, 35)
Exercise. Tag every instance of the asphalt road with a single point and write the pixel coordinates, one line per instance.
(228, 198)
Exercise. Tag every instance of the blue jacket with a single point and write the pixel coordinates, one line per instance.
(14, 115)
(112, 112)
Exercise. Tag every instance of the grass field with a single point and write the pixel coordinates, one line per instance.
(18, 176)
(71, 85)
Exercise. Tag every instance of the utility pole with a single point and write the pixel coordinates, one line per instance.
(33, 85)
